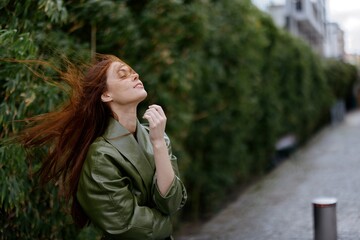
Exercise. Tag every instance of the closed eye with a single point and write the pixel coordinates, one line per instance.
(122, 73)
(125, 71)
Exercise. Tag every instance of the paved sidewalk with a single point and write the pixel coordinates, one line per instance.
(279, 207)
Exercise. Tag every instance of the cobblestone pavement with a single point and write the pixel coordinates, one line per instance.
(279, 206)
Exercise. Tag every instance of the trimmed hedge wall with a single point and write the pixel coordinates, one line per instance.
(231, 83)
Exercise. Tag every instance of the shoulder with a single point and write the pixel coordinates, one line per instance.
(100, 145)
(101, 152)
(102, 162)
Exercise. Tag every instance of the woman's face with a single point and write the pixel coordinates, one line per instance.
(123, 85)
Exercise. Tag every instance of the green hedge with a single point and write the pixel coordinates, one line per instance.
(231, 83)
(341, 78)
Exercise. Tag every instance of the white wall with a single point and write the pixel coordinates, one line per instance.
(334, 45)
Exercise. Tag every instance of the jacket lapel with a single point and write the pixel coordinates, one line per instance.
(134, 152)
(143, 138)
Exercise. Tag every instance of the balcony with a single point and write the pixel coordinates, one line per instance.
(309, 16)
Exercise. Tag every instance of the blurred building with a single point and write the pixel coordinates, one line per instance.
(334, 44)
(303, 18)
(307, 20)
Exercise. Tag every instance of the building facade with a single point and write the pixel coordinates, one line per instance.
(334, 44)
(307, 19)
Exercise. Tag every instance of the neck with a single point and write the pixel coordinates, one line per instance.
(127, 117)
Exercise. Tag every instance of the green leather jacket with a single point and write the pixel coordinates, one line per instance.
(117, 187)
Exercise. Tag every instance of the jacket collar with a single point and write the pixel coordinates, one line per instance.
(138, 153)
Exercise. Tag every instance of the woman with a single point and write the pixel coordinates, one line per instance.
(121, 175)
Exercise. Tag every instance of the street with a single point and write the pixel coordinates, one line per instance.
(279, 206)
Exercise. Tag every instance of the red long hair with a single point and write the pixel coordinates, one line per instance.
(69, 131)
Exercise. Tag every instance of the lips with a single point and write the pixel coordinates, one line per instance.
(139, 85)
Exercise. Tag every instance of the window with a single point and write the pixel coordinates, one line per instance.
(298, 5)
(287, 23)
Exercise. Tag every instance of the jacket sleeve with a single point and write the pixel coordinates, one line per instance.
(106, 197)
(176, 196)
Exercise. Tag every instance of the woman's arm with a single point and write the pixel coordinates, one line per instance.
(169, 192)
(164, 171)
(176, 195)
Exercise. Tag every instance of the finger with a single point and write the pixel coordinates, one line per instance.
(149, 115)
(158, 109)
(155, 113)
(149, 118)
(152, 117)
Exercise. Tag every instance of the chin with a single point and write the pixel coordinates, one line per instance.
(144, 95)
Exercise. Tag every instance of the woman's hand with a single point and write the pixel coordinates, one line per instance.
(157, 122)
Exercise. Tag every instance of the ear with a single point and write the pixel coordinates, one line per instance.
(106, 97)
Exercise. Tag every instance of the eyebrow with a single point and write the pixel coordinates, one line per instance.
(119, 66)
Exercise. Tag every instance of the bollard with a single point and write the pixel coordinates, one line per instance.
(325, 219)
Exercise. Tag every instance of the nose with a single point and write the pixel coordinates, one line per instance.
(135, 77)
